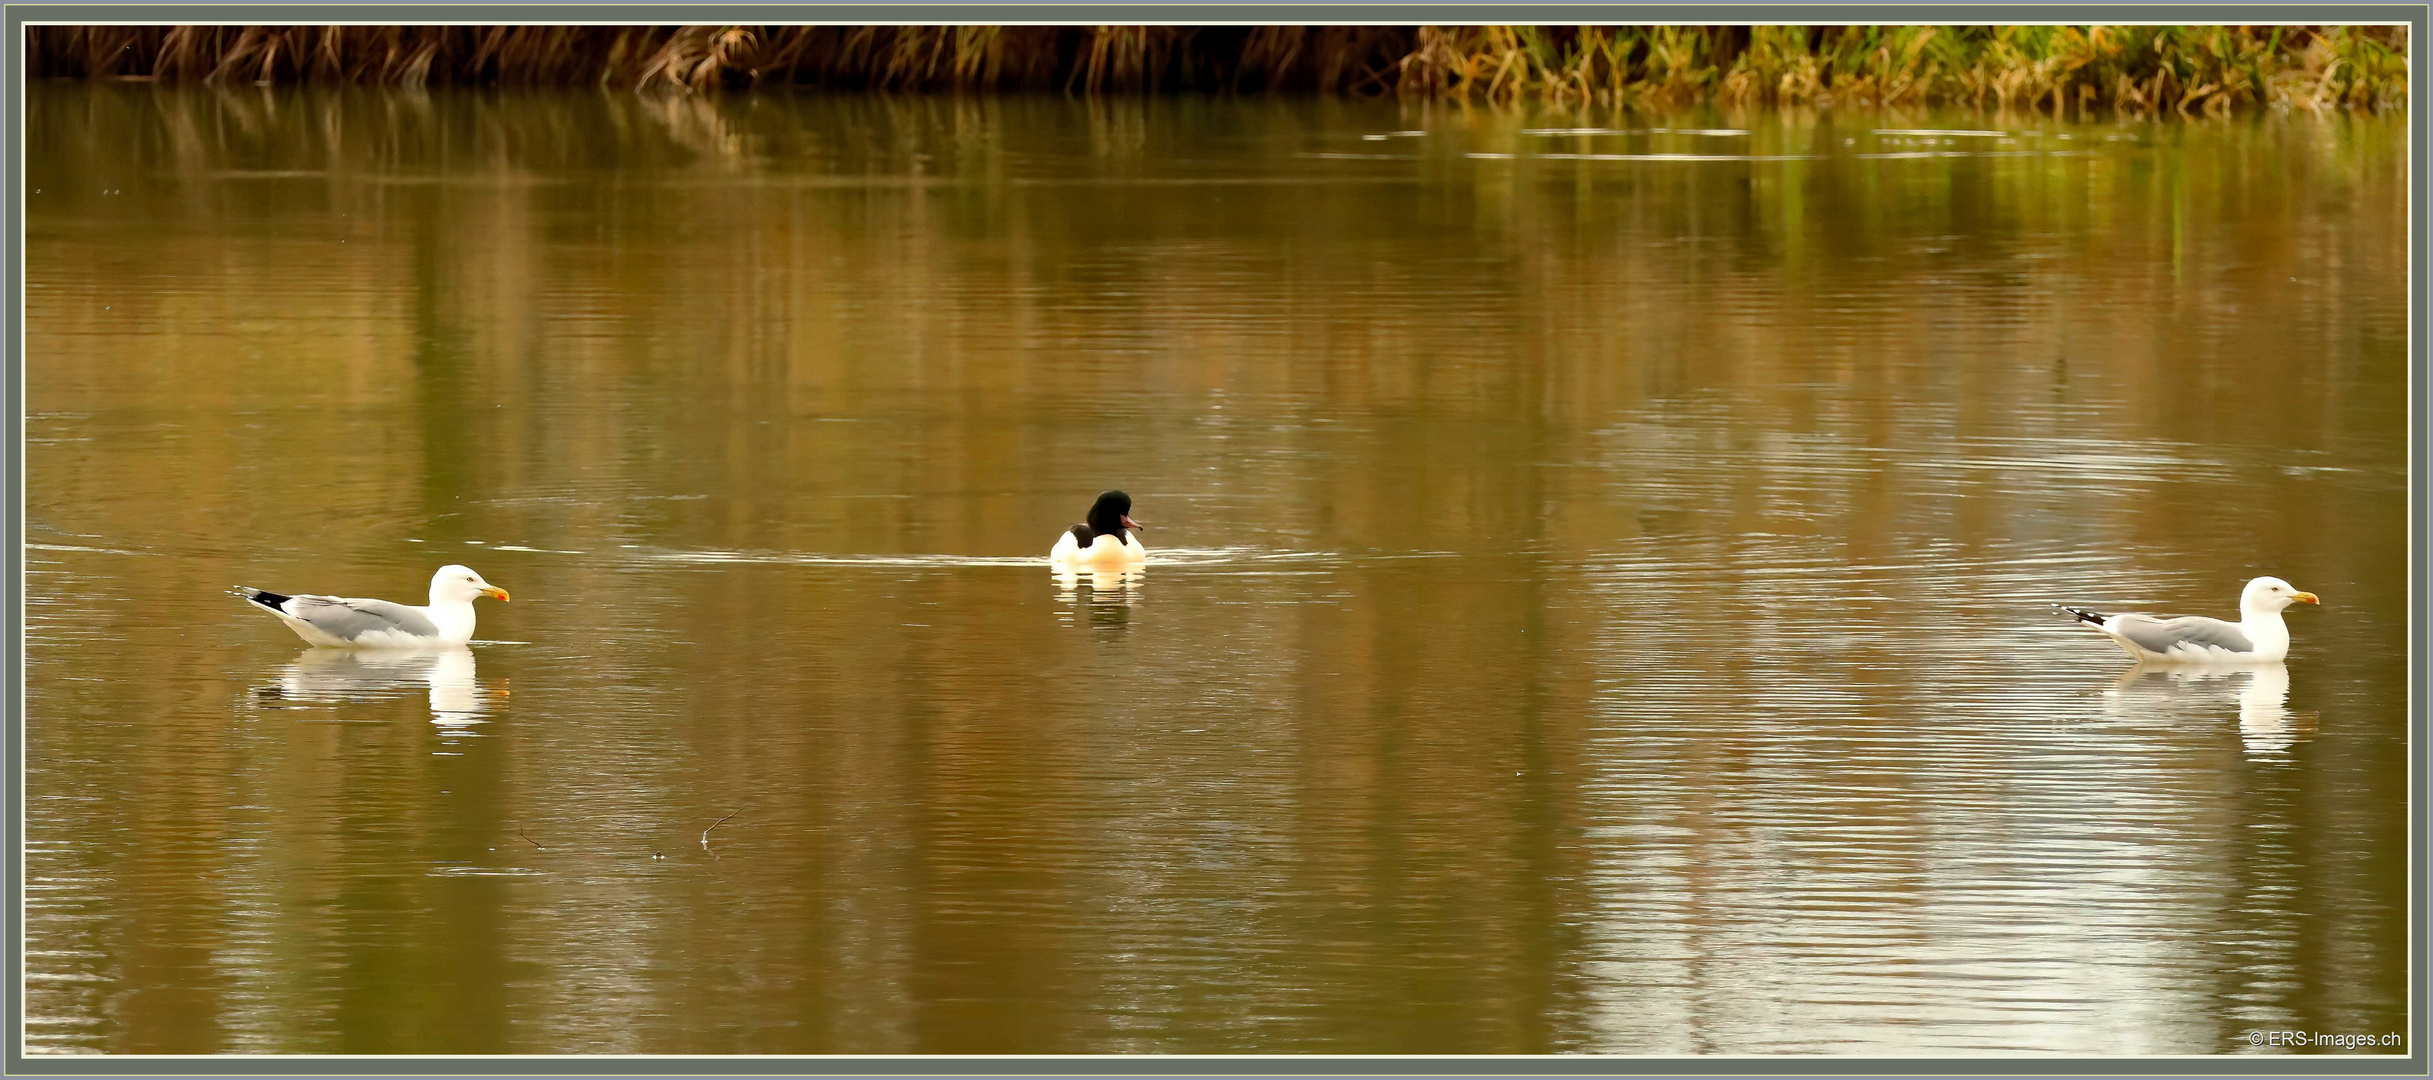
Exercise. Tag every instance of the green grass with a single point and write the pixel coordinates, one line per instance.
(2137, 69)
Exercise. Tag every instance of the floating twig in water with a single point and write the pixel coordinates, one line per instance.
(536, 845)
(705, 833)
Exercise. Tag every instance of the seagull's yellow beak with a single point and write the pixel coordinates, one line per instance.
(2305, 596)
(495, 591)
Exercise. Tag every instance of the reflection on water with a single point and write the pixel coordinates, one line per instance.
(1099, 598)
(1601, 602)
(342, 676)
(2260, 694)
(1119, 586)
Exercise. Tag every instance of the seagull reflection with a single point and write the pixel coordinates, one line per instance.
(341, 676)
(2267, 727)
(1106, 594)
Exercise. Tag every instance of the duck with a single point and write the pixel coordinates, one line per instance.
(337, 622)
(2259, 637)
(1104, 538)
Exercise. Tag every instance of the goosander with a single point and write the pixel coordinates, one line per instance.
(1104, 538)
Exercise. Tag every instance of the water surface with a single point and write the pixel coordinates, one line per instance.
(1601, 602)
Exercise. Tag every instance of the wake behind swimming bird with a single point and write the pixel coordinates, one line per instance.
(346, 623)
(2259, 637)
(1104, 538)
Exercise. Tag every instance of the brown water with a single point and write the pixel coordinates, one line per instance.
(1600, 600)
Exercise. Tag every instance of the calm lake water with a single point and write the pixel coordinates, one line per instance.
(1601, 597)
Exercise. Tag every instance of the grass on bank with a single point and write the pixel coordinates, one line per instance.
(2136, 69)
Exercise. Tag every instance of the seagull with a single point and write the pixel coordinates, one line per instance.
(344, 623)
(1103, 539)
(2259, 637)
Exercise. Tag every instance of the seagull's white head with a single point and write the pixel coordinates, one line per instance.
(459, 585)
(2267, 595)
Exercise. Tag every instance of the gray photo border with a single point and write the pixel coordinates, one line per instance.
(12, 589)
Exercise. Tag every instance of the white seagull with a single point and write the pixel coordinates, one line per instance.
(2259, 637)
(345, 623)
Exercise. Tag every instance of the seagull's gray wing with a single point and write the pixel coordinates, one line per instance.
(2162, 635)
(349, 620)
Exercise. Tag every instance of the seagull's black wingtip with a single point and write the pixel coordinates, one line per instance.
(2082, 614)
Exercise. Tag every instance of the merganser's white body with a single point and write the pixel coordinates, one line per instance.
(1118, 550)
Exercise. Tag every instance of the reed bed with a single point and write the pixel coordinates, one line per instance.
(2137, 69)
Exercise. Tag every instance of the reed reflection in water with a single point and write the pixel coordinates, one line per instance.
(1601, 598)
